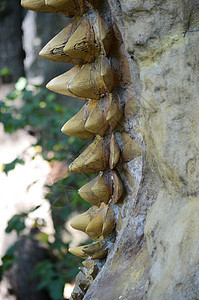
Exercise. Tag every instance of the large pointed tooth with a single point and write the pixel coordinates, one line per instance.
(81, 221)
(67, 7)
(60, 83)
(83, 43)
(109, 223)
(117, 186)
(115, 112)
(78, 251)
(37, 5)
(96, 121)
(93, 159)
(76, 125)
(130, 148)
(96, 250)
(93, 80)
(94, 228)
(53, 50)
(102, 188)
(86, 192)
(97, 190)
(114, 152)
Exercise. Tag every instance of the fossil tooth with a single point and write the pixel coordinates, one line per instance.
(66, 7)
(115, 112)
(117, 186)
(94, 228)
(78, 251)
(93, 80)
(109, 223)
(54, 49)
(98, 190)
(76, 125)
(102, 188)
(91, 267)
(83, 43)
(114, 152)
(37, 5)
(96, 250)
(81, 221)
(93, 159)
(96, 121)
(59, 84)
(130, 148)
(86, 192)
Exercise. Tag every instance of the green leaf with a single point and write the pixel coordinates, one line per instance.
(11, 166)
(17, 223)
(21, 84)
(56, 289)
(5, 71)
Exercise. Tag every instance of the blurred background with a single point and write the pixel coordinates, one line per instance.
(37, 194)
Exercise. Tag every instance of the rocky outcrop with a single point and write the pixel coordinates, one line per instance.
(153, 252)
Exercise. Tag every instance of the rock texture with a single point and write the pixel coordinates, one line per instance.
(162, 39)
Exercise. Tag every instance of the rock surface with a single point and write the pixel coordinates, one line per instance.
(158, 259)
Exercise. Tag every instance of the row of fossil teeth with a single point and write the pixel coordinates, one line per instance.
(86, 42)
(104, 153)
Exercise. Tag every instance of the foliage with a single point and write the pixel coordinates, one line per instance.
(38, 111)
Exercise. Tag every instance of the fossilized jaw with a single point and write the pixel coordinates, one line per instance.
(93, 159)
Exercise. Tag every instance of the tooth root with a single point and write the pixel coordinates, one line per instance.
(60, 83)
(109, 223)
(105, 34)
(76, 125)
(78, 251)
(94, 228)
(82, 44)
(37, 5)
(81, 221)
(115, 112)
(118, 187)
(93, 80)
(102, 188)
(54, 49)
(96, 121)
(91, 160)
(96, 250)
(114, 152)
(130, 148)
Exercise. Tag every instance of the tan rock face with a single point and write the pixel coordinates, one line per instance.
(163, 40)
